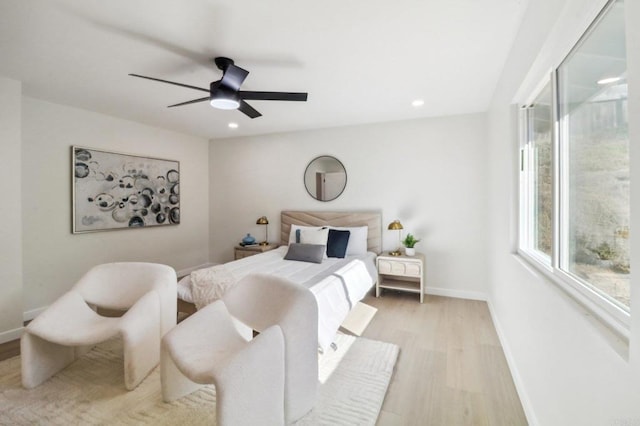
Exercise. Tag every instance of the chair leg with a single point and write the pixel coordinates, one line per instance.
(250, 389)
(141, 333)
(141, 355)
(42, 359)
(175, 385)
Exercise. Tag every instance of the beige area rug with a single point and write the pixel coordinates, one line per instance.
(354, 381)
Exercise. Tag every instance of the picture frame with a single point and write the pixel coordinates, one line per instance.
(113, 190)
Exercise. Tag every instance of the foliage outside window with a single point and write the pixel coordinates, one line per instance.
(575, 200)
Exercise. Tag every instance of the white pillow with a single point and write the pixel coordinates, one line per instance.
(315, 236)
(357, 239)
(292, 232)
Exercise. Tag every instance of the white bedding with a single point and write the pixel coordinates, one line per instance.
(337, 284)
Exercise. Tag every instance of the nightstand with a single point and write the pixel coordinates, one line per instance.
(402, 273)
(239, 251)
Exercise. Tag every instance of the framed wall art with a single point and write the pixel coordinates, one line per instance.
(119, 191)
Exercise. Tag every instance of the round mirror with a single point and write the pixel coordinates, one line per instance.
(325, 178)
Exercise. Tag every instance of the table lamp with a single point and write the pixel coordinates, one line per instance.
(396, 226)
(264, 221)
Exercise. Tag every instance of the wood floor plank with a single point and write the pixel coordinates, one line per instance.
(451, 369)
(9, 349)
(499, 390)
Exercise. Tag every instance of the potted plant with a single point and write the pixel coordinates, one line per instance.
(409, 242)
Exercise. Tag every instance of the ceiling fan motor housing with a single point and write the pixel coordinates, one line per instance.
(222, 62)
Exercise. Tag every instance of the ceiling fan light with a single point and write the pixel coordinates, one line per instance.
(224, 103)
(223, 98)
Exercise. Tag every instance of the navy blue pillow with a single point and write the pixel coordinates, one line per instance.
(337, 243)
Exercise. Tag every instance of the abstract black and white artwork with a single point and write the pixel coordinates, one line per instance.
(116, 191)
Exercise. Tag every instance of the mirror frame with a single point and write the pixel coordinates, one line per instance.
(312, 193)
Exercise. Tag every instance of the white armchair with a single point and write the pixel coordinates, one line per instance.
(271, 380)
(206, 348)
(265, 300)
(69, 327)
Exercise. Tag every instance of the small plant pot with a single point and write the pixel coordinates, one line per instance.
(410, 251)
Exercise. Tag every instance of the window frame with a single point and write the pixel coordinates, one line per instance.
(611, 313)
(527, 168)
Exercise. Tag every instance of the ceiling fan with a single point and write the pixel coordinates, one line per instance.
(226, 94)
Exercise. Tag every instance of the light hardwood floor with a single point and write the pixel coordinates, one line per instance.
(451, 369)
(9, 349)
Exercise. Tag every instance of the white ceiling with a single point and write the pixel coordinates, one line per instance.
(361, 61)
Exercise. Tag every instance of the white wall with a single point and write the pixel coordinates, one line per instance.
(567, 369)
(428, 173)
(10, 211)
(54, 258)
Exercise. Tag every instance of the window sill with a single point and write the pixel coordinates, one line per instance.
(611, 322)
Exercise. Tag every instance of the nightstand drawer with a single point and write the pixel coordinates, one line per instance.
(240, 252)
(396, 267)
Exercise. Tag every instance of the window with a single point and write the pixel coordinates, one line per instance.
(538, 206)
(575, 200)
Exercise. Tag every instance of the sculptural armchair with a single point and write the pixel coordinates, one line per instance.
(265, 300)
(270, 380)
(206, 348)
(70, 326)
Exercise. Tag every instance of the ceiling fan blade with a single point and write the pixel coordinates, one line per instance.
(190, 102)
(233, 77)
(248, 110)
(170, 82)
(273, 96)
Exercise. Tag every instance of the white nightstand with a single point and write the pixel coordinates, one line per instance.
(240, 252)
(402, 273)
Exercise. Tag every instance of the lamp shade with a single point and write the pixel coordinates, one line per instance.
(395, 225)
(262, 221)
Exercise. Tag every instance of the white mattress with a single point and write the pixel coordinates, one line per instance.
(338, 284)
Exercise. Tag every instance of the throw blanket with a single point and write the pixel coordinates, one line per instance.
(210, 284)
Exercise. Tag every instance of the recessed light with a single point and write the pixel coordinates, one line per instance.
(609, 80)
(233, 125)
(417, 103)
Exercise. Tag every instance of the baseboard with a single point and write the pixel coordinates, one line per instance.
(458, 294)
(517, 380)
(184, 272)
(9, 335)
(29, 315)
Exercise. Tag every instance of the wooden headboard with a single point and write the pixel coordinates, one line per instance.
(314, 218)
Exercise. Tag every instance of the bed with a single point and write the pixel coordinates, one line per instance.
(337, 284)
